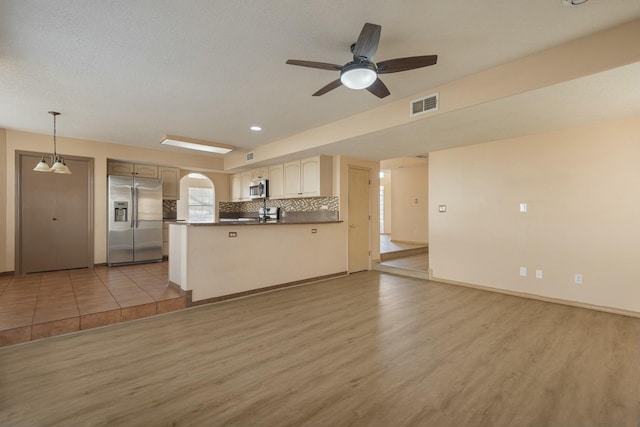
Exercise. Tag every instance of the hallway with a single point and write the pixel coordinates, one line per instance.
(405, 259)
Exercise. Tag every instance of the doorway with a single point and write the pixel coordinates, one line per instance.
(54, 216)
(359, 219)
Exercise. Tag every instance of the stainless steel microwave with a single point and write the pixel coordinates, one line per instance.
(259, 189)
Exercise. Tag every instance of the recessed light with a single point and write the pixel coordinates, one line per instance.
(196, 144)
(255, 128)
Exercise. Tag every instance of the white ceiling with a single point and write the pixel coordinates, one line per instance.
(130, 72)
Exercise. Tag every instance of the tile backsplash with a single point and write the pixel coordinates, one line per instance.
(309, 204)
(169, 209)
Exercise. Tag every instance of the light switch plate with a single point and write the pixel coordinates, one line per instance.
(538, 274)
(523, 271)
(523, 207)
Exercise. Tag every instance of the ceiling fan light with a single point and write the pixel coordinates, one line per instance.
(358, 75)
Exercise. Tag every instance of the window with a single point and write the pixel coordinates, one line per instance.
(200, 198)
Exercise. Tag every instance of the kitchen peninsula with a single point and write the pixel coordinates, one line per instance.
(219, 260)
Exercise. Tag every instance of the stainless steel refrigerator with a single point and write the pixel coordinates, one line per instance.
(135, 220)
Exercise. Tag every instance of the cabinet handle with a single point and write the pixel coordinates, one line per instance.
(55, 219)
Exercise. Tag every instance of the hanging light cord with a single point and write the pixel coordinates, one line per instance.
(55, 152)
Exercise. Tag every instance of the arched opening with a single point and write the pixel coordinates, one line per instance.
(199, 205)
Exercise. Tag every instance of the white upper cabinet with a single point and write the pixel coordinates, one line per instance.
(260, 173)
(276, 181)
(292, 179)
(310, 177)
(170, 182)
(246, 182)
(236, 187)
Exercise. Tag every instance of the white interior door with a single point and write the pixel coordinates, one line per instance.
(359, 219)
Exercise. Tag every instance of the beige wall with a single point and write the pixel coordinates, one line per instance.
(3, 202)
(386, 183)
(581, 187)
(23, 141)
(409, 204)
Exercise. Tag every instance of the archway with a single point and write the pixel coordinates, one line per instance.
(198, 200)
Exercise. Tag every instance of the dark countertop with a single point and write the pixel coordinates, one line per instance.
(234, 223)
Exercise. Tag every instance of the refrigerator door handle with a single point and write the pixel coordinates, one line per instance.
(135, 207)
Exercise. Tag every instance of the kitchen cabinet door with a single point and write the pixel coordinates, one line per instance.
(246, 182)
(170, 182)
(276, 181)
(120, 168)
(260, 173)
(310, 177)
(292, 179)
(236, 187)
(145, 171)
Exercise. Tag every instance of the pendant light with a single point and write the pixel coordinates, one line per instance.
(57, 163)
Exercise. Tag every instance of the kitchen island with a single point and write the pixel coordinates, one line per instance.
(212, 261)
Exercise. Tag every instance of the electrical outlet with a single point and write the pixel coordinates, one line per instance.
(578, 279)
(442, 208)
(314, 230)
(233, 234)
(538, 274)
(523, 271)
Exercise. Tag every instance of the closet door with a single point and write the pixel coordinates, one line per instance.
(55, 217)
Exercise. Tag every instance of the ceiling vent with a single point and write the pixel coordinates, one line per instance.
(249, 156)
(424, 105)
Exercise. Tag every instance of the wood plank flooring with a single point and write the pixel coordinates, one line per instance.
(369, 349)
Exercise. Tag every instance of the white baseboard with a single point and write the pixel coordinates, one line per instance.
(605, 309)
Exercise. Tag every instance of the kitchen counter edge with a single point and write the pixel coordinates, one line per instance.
(243, 223)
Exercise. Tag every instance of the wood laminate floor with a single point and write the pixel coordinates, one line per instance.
(369, 349)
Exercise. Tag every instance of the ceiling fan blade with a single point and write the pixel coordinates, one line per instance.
(379, 89)
(312, 64)
(331, 86)
(367, 43)
(404, 64)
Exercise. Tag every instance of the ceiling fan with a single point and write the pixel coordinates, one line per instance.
(362, 72)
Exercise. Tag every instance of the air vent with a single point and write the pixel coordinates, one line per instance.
(424, 105)
(249, 156)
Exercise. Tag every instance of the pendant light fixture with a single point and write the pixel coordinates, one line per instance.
(57, 163)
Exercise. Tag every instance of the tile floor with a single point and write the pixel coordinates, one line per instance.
(40, 305)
